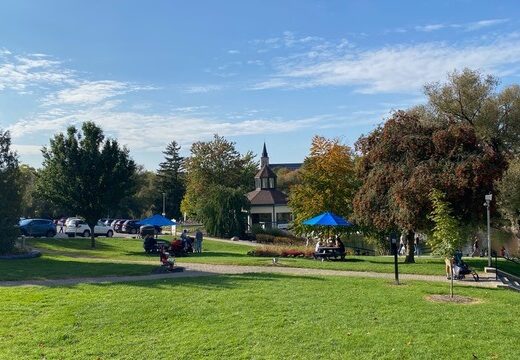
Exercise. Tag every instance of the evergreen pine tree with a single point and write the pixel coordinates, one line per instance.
(170, 181)
(9, 194)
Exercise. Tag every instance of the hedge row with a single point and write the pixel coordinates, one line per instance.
(279, 240)
(282, 251)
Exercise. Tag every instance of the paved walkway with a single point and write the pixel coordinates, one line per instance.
(196, 270)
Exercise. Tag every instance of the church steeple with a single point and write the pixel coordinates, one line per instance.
(265, 178)
(264, 160)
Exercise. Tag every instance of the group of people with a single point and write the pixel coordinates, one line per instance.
(190, 244)
(403, 245)
(331, 242)
(185, 245)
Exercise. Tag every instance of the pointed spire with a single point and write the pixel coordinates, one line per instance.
(264, 151)
(264, 160)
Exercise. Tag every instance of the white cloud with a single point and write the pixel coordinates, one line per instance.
(91, 92)
(431, 27)
(483, 23)
(233, 52)
(471, 26)
(202, 89)
(87, 93)
(22, 72)
(401, 68)
(28, 150)
(137, 130)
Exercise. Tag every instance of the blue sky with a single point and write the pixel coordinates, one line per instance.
(150, 72)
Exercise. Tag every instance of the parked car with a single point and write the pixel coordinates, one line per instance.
(37, 227)
(130, 227)
(70, 220)
(80, 228)
(145, 230)
(119, 225)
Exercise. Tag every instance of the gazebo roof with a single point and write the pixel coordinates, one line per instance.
(267, 197)
(265, 172)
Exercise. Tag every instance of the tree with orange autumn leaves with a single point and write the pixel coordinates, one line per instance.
(326, 181)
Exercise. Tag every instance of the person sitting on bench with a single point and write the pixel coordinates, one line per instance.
(319, 244)
(340, 246)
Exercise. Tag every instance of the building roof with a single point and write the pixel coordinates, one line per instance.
(290, 166)
(267, 197)
(265, 172)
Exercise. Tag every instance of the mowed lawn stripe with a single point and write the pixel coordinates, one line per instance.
(260, 316)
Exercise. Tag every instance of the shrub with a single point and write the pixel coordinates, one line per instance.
(288, 240)
(258, 229)
(264, 238)
(282, 251)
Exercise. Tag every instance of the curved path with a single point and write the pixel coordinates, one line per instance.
(195, 270)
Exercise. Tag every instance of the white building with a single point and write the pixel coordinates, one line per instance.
(268, 205)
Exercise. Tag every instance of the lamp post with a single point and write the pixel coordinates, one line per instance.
(393, 249)
(488, 198)
(163, 204)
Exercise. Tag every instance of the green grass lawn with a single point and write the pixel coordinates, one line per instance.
(73, 257)
(256, 316)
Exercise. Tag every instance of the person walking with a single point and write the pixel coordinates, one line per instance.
(401, 245)
(475, 248)
(198, 241)
(417, 243)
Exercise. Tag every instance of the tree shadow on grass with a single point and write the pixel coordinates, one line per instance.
(210, 281)
(48, 267)
(69, 243)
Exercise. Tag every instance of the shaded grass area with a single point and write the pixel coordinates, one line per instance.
(259, 316)
(58, 267)
(73, 257)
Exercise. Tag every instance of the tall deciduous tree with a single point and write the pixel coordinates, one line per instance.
(405, 158)
(9, 194)
(470, 98)
(509, 197)
(217, 177)
(286, 179)
(327, 179)
(86, 173)
(171, 181)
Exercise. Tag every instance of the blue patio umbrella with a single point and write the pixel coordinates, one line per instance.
(157, 220)
(327, 219)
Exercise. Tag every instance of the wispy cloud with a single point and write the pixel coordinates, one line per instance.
(400, 68)
(91, 92)
(233, 52)
(287, 40)
(20, 73)
(202, 89)
(471, 26)
(127, 126)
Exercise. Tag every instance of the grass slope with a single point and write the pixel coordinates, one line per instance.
(260, 316)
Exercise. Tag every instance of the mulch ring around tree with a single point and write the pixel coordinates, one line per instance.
(456, 299)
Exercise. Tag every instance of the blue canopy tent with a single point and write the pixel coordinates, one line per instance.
(327, 219)
(157, 220)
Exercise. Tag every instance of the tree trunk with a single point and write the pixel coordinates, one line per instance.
(410, 247)
(92, 237)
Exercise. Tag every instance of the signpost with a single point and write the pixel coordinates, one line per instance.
(488, 199)
(393, 246)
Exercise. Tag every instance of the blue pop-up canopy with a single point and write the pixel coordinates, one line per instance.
(327, 219)
(157, 220)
